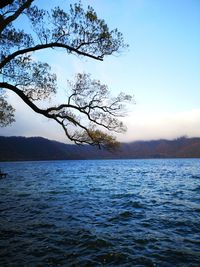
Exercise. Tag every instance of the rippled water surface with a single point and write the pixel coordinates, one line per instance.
(100, 213)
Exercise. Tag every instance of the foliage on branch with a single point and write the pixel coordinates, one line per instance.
(6, 111)
(88, 108)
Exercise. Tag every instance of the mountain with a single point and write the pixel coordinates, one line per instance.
(38, 148)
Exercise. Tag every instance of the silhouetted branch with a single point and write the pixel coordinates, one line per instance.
(45, 46)
(65, 118)
(17, 13)
(89, 105)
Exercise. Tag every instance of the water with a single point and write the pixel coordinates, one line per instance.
(100, 213)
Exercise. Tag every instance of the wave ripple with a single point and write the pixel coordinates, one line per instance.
(100, 213)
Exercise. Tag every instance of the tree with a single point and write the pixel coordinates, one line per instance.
(89, 106)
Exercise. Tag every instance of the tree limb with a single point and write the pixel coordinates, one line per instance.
(58, 118)
(18, 12)
(5, 3)
(45, 46)
(78, 32)
(25, 98)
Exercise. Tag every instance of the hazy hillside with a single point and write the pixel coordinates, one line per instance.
(37, 148)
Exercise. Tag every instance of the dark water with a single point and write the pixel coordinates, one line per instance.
(100, 213)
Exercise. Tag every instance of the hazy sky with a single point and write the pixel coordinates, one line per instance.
(161, 68)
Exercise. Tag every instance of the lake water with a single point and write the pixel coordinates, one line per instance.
(100, 213)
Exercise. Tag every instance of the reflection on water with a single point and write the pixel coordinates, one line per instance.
(94, 213)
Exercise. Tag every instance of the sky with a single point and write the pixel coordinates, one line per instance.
(161, 68)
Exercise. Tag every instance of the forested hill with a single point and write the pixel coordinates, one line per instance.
(37, 148)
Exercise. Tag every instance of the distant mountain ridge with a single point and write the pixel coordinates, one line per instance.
(38, 148)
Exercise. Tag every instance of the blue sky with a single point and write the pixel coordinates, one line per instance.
(161, 68)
